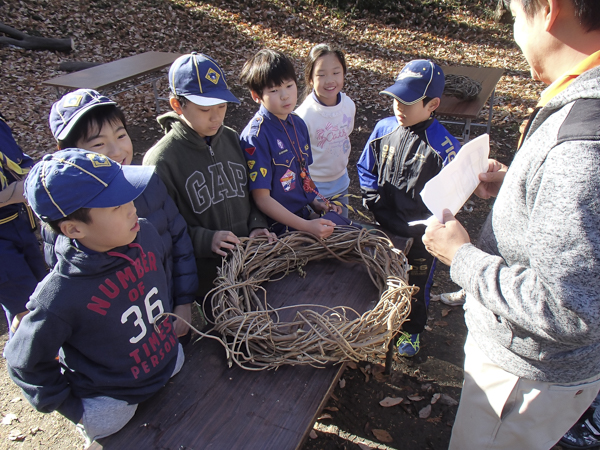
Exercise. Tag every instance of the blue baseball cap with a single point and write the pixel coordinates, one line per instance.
(71, 107)
(65, 181)
(199, 78)
(420, 78)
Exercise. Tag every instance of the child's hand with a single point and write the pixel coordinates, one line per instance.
(223, 240)
(321, 228)
(320, 206)
(185, 312)
(263, 232)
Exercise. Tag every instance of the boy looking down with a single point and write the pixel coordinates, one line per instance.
(201, 163)
(277, 149)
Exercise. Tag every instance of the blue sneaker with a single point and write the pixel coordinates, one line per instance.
(408, 344)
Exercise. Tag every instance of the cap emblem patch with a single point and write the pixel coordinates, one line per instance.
(72, 101)
(98, 160)
(212, 75)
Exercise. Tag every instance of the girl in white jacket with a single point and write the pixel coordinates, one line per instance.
(329, 115)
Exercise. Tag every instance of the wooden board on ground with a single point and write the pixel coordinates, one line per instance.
(210, 406)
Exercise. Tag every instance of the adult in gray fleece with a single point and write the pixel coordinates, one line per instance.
(533, 287)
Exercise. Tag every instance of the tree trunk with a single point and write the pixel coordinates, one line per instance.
(24, 40)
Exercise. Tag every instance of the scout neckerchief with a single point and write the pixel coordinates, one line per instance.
(559, 85)
(307, 183)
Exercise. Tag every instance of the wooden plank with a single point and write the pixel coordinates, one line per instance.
(456, 107)
(210, 406)
(112, 73)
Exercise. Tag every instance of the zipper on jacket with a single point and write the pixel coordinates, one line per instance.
(227, 208)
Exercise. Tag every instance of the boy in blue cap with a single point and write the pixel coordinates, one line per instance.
(277, 149)
(21, 262)
(97, 308)
(88, 120)
(402, 154)
(201, 163)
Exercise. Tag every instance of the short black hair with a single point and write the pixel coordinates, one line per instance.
(91, 123)
(266, 69)
(427, 100)
(586, 11)
(81, 215)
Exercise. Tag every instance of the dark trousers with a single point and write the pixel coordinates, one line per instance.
(21, 264)
(421, 275)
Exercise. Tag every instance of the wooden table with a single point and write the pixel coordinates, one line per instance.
(106, 76)
(467, 110)
(210, 406)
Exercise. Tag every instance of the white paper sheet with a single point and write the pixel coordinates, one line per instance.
(453, 186)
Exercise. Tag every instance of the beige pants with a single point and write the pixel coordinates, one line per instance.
(499, 410)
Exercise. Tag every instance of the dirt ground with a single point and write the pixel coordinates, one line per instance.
(377, 45)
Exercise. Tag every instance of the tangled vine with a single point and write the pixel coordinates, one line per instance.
(462, 87)
(254, 335)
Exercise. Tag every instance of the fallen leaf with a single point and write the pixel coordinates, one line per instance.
(325, 416)
(425, 412)
(435, 398)
(352, 365)
(16, 399)
(378, 368)
(16, 435)
(434, 420)
(391, 401)
(426, 387)
(380, 376)
(415, 398)
(8, 419)
(382, 435)
(428, 328)
(331, 408)
(313, 434)
(368, 429)
(364, 447)
(445, 399)
(445, 312)
(441, 323)
(342, 383)
(34, 430)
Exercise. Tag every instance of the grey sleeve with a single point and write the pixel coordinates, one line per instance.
(555, 295)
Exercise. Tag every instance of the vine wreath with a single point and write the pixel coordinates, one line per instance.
(251, 330)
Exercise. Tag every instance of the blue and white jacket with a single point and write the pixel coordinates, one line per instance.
(394, 167)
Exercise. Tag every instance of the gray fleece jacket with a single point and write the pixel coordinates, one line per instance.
(533, 281)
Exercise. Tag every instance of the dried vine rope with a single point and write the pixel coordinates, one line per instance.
(254, 335)
(462, 86)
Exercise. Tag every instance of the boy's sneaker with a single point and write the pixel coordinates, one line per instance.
(408, 344)
(582, 435)
(454, 298)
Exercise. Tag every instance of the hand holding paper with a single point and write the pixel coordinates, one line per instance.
(453, 186)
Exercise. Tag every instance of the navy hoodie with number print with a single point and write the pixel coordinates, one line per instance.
(95, 310)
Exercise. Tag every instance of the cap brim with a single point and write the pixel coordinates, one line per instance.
(222, 97)
(124, 188)
(402, 94)
(67, 129)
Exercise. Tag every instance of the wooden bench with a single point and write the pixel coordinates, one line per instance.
(467, 110)
(210, 406)
(138, 69)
